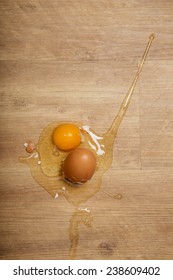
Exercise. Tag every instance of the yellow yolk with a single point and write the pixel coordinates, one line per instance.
(67, 137)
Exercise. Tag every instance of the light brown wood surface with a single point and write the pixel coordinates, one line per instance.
(75, 60)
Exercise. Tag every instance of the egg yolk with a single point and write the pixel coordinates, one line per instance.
(67, 137)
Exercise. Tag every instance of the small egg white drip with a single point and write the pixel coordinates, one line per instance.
(84, 209)
(82, 137)
(33, 155)
(56, 196)
(95, 138)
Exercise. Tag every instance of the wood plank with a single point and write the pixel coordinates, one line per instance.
(75, 60)
(87, 30)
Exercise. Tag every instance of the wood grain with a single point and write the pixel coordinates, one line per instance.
(75, 60)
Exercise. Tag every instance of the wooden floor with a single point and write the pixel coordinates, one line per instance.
(75, 60)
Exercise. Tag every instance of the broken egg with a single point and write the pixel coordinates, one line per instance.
(74, 163)
(71, 155)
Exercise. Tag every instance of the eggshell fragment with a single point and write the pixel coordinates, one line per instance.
(29, 146)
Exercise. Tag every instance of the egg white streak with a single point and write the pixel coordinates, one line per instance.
(95, 139)
(84, 209)
(56, 195)
(33, 155)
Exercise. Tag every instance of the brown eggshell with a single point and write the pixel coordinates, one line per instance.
(29, 146)
(79, 166)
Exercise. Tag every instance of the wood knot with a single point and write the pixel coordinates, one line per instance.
(106, 248)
